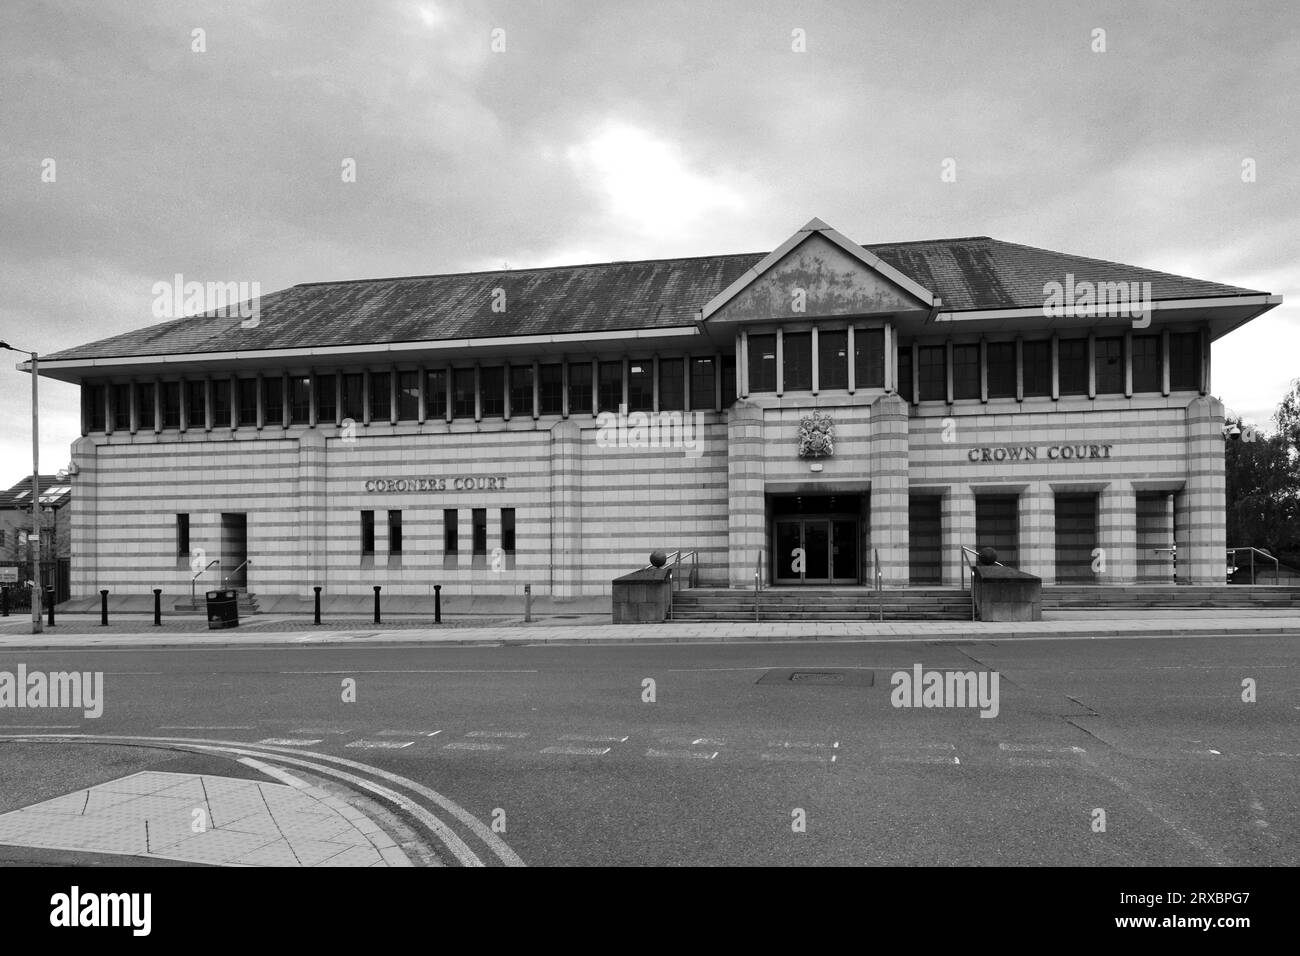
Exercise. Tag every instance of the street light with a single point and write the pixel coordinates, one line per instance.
(37, 627)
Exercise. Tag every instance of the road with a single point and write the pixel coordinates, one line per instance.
(564, 750)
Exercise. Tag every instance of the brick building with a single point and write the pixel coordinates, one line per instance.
(828, 409)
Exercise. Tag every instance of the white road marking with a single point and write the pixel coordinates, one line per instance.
(585, 739)
(1038, 762)
(693, 741)
(460, 745)
(380, 744)
(508, 734)
(577, 751)
(1041, 749)
(43, 726)
(208, 727)
(288, 742)
(917, 746)
(406, 733)
(795, 758)
(696, 754)
(799, 744)
(920, 758)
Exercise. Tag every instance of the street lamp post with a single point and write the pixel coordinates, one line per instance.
(37, 593)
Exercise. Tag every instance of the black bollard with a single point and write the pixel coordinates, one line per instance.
(437, 604)
(103, 607)
(316, 588)
(49, 603)
(528, 603)
(157, 607)
(376, 603)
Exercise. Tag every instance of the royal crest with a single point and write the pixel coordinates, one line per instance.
(816, 437)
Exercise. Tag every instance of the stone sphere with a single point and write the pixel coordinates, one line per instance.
(658, 558)
(988, 556)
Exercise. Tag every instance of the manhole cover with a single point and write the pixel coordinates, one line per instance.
(817, 677)
(840, 677)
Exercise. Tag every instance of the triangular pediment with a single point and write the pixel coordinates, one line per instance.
(817, 273)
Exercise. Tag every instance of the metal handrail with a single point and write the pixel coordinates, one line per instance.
(226, 579)
(758, 572)
(216, 561)
(880, 597)
(1277, 566)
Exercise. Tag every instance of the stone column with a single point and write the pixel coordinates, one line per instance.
(566, 511)
(1117, 533)
(889, 488)
(958, 517)
(1037, 531)
(746, 531)
(1204, 559)
(84, 508)
(310, 567)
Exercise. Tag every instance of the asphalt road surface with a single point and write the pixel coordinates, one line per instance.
(768, 754)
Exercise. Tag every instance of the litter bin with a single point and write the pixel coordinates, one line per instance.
(223, 609)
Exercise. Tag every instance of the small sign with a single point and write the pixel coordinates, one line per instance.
(8, 575)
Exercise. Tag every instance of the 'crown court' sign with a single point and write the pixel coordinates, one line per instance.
(1031, 452)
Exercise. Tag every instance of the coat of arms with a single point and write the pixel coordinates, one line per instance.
(816, 437)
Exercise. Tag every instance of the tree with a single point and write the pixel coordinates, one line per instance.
(1263, 494)
(1288, 417)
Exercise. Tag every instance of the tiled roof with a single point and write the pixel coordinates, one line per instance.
(968, 274)
(54, 490)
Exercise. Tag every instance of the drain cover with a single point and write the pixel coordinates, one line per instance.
(817, 677)
(840, 677)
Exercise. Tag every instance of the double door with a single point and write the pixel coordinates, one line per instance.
(812, 549)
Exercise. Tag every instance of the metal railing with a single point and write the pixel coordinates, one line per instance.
(758, 577)
(197, 574)
(878, 577)
(1277, 567)
(226, 580)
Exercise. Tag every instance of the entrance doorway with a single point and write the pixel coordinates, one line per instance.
(815, 539)
(234, 549)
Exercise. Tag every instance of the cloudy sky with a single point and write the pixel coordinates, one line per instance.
(608, 130)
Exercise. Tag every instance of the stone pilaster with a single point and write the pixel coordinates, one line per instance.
(1117, 533)
(889, 450)
(313, 512)
(1037, 520)
(958, 532)
(84, 508)
(746, 531)
(566, 511)
(1203, 559)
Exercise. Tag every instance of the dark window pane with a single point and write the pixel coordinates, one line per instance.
(171, 404)
(145, 407)
(353, 397)
(273, 400)
(327, 398)
(869, 359)
(196, 404)
(221, 403)
(610, 389)
(408, 396)
(479, 528)
(508, 530)
(394, 532)
(550, 389)
(832, 360)
(1072, 360)
(904, 373)
(1109, 369)
(1002, 369)
(300, 399)
(640, 385)
(1036, 361)
(462, 393)
(797, 355)
(932, 369)
(965, 371)
(521, 391)
(183, 534)
(121, 407)
(93, 395)
(435, 394)
(580, 388)
(492, 391)
(1184, 361)
(1146, 363)
(247, 401)
(762, 365)
(450, 532)
(381, 396)
(672, 384)
(703, 382)
(728, 380)
(367, 532)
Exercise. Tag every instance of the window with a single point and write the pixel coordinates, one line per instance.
(1146, 363)
(381, 396)
(832, 360)
(221, 403)
(797, 353)
(435, 393)
(609, 393)
(492, 391)
(171, 404)
(367, 532)
(273, 401)
(1002, 369)
(353, 397)
(579, 388)
(728, 380)
(550, 389)
(933, 373)
(640, 385)
(394, 533)
(146, 407)
(1184, 361)
(450, 531)
(183, 535)
(327, 398)
(121, 407)
(904, 373)
(1072, 360)
(521, 391)
(965, 371)
(408, 396)
(247, 401)
(869, 358)
(195, 405)
(462, 393)
(672, 385)
(93, 396)
(703, 381)
(508, 531)
(1109, 358)
(762, 365)
(480, 531)
(1036, 362)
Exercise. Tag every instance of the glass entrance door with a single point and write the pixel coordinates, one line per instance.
(815, 550)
